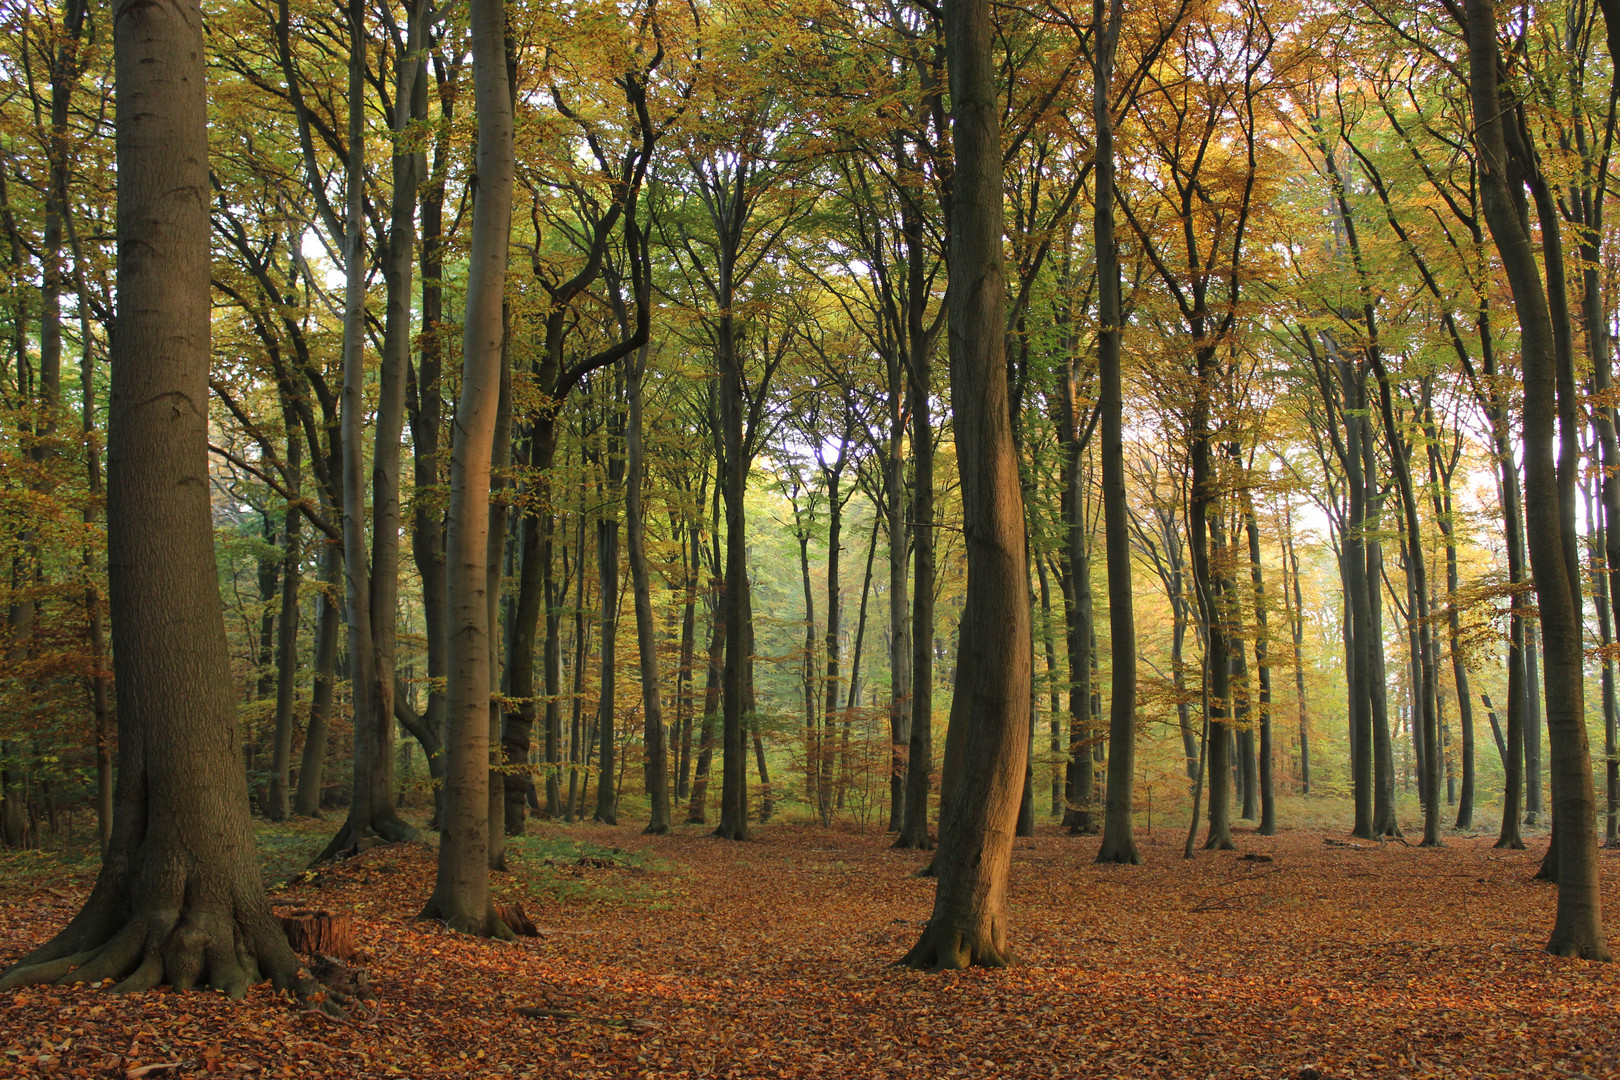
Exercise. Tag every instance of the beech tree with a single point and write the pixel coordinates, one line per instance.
(178, 900)
(987, 741)
(461, 897)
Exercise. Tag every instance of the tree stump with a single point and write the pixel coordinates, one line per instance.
(312, 932)
(515, 917)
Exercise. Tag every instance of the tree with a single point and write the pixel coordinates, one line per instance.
(988, 737)
(1119, 843)
(179, 900)
(461, 895)
(1578, 926)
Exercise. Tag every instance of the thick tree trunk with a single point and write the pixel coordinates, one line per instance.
(178, 899)
(1578, 927)
(461, 897)
(989, 713)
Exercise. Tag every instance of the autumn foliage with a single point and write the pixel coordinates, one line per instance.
(684, 956)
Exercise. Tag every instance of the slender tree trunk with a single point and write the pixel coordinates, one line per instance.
(1262, 652)
(899, 605)
(652, 708)
(1296, 626)
(280, 802)
(552, 657)
(575, 806)
(696, 812)
(914, 831)
(307, 799)
(607, 567)
(500, 463)
(683, 719)
(461, 897)
(1118, 842)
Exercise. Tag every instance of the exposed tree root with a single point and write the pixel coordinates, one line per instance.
(955, 949)
(1576, 949)
(201, 944)
(352, 839)
(487, 925)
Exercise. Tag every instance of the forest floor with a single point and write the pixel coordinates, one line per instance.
(687, 956)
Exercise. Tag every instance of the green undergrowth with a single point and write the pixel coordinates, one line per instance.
(26, 869)
(551, 868)
(286, 847)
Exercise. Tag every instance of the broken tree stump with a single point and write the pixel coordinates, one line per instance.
(312, 932)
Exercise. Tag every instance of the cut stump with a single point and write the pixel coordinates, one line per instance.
(319, 932)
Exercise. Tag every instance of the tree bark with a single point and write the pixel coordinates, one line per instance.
(280, 803)
(989, 714)
(1118, 842)
(461, 897)
(652, 708)
(178, 899)
(1578, 926)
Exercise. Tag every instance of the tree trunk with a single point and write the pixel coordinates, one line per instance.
(1578, 927)
(280, 803)
(652, 708)
(372, 584)
(500, 463)
(989, 713)
(607, 568)
(307, 799)
(461, 897)
(696, 813)
(1262, 651)
(178, 899)
(1118, 842)
(1296, 626)
(914, 832)
(899, 606)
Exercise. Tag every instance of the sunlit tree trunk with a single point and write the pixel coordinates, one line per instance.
(989, 712)
(461, 897)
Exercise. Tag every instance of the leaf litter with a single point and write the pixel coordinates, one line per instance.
(687, 956)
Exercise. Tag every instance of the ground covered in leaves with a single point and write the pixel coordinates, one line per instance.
(686, 956)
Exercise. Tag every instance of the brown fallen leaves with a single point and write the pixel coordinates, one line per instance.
(774, 959)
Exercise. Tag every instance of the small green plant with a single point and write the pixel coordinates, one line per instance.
(552, 868)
